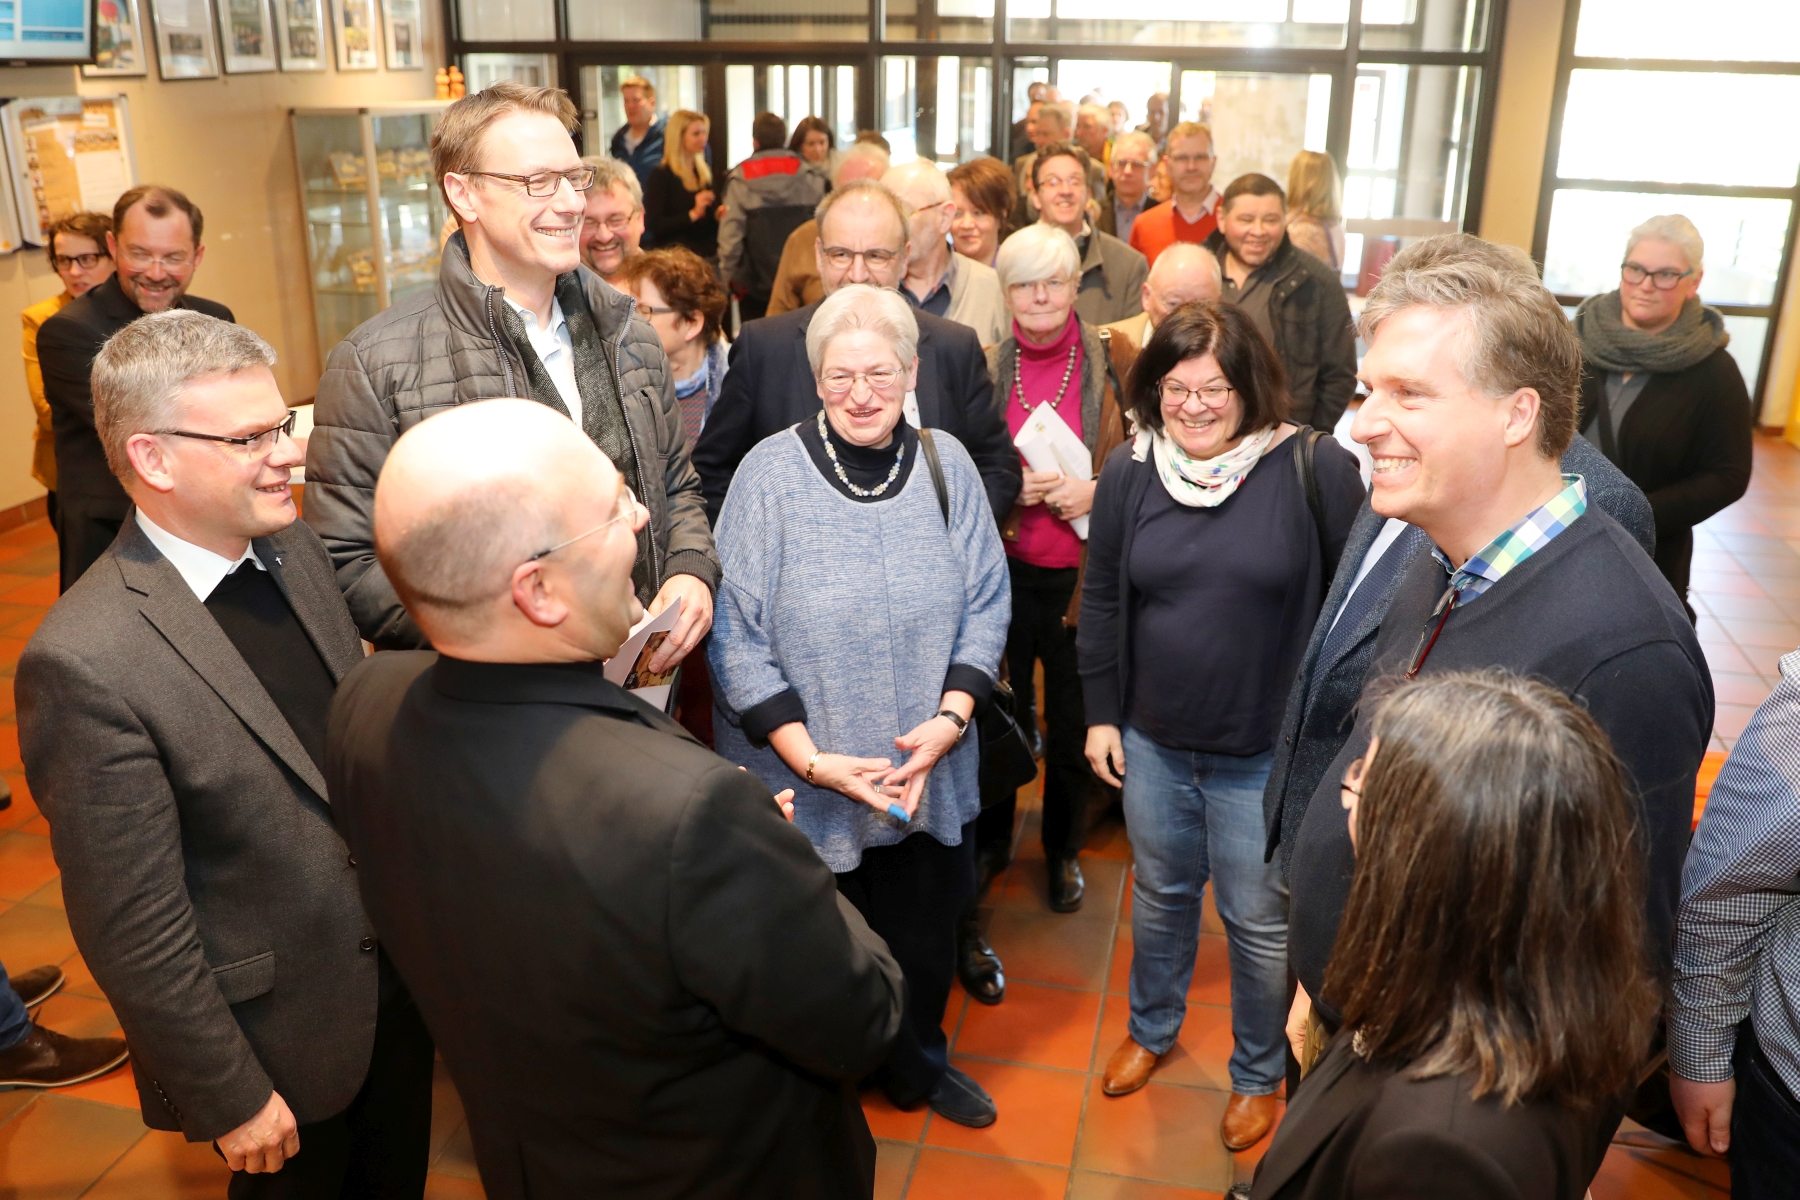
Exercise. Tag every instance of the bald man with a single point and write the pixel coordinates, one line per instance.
(797, 282)
(938, 279)
(641, 977)
(1180, 275)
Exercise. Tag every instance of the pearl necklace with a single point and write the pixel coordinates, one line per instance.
(831, 453)
(1068, 373)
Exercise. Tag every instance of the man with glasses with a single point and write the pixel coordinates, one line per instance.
(514, 314)
(938, 280)
(863, 238)
(1191, 214)
(1127, 184)
(613, 225)
(155, 244)
(172, 714)
(1112, 273)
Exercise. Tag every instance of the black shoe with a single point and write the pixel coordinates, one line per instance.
(47, 1059)
(977, 965)
(959, 1098)
(1066, 884)
(37, 985)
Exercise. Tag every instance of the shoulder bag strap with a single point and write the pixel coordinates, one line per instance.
(1305, 442)
(937, 473)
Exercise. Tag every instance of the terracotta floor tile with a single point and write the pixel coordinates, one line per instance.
(23, 808)
(1108, 840)
(33, 591)
(24, 627)
(30, 934)
(26, 865)
(9, 746)
(1091, 1185)
(50, 895)
(893, 1168)
(953, 1011)
(167, 1166)
(1040, 1111)
(78, 980)
(1037, 1025)
(439, 1186)
(1631, 1174)
(458, 1157)
(117, 1087)
(446, 1109)
(1026, 888)
(894, 1124)
(1199, 1056)
(1051, 949)
(1160, 1133)
(941, 1174)
(9, 581)
(57, 1147)
(77, 1016)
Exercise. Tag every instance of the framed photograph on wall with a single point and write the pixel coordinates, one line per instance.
(185, 45)
(358, 47)
(405, 35)
(247, 36)
(300, 34)
(118, 40)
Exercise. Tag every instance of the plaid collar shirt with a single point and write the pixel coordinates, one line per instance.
(1490, 564)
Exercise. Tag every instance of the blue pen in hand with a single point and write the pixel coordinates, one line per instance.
(899, 814)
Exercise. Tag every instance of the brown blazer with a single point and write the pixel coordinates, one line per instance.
(797, 282)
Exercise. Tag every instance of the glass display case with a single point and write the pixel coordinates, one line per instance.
(371, 236)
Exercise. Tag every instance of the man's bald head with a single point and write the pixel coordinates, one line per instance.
(1182, 274)
(468, 497)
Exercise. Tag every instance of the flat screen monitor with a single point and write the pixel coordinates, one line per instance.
(45, 31)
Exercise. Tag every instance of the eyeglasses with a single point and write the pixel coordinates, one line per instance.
(1063, 181)
(1353, 776)
(617, 223)
(628, 509)
(253, 444)
(879, 380)
(1176, 394)
(841, 257)
(1188, 160)
(652, 311)
(1665, 279)
(142, 259)
(1052, 285)
(63, 262)
(1131, 164)
(542, 184)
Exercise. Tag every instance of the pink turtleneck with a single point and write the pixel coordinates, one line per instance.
(1045, 540)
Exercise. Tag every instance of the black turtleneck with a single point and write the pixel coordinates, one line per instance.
(867, 467)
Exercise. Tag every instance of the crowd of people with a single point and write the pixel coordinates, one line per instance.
(331, 796)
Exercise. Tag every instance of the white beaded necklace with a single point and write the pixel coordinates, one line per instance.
(831, 453)
(1068, 373)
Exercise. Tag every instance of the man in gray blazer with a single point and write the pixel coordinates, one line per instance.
(172, 712)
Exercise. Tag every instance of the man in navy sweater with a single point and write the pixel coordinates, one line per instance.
(1472, 374)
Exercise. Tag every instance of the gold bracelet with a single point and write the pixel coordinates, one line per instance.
(811, 763)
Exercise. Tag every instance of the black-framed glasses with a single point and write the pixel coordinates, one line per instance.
(1176, 393)
(1665, 279)
(628, 508)
(253, 443)
(86, 262)
(542, 184)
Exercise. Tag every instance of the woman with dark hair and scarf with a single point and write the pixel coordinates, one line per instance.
(1660, 395)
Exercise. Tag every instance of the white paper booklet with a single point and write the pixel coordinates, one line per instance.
(1048, 444)
(630, 667)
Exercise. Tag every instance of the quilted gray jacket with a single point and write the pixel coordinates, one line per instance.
(448, 347)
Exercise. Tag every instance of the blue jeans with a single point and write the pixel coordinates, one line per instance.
(1191, 817)
(15, 1023)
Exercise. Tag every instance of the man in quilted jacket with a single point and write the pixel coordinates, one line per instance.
(514, 313)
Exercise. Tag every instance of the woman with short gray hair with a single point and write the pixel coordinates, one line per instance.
(862, 612)
(1660, 394)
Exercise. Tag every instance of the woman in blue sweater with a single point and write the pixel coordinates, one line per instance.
(859, 623)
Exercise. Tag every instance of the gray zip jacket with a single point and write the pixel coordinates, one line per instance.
(448, 347)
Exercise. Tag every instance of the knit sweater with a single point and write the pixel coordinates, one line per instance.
(860, 608)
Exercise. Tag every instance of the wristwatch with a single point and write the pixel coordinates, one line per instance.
(962, 726)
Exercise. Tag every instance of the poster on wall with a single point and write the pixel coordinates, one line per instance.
(300, 30)
(118, 40)
(185, 48)
(66, 154)
(405, 35)
(246, 36)
(357, 47)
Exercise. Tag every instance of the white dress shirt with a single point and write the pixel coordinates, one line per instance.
(1390, 533)
(200, 568)
(556, 350)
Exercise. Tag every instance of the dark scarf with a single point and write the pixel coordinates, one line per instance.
(1607, 343)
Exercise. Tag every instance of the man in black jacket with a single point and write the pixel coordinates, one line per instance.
(688, 1000)
(770, 386)
(1472, 374)
(1296, 300)
(156, 244)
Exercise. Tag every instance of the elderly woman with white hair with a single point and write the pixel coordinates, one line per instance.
(1660, 395)
(859, 624)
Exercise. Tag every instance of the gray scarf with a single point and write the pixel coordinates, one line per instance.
(1609, 345)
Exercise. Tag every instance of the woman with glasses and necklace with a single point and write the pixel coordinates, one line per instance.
(1660, 394)
(1207, 567)
(859, 624)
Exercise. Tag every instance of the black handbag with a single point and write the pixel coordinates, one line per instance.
(1006, 761)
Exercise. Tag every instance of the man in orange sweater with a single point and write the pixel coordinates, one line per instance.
(1193, 212)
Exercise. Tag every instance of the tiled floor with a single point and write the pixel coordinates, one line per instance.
(1039, 1053)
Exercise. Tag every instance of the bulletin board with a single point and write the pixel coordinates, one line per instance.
(66, 154)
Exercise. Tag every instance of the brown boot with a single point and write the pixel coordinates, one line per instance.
(1247, 1120)
(47, 1059)
(1128, 1069)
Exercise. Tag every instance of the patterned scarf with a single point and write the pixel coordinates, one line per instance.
(1201, 482)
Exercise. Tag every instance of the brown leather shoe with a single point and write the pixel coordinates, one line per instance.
(47, 1059)
(37, 985)
(1247, 1120)
(1128, 1069)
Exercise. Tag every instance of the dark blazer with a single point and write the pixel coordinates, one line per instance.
(1355, 1131)
(1321, 706)
(642, 979)
(1686, 442)
(206, 885)
(67, 344)
(770, 387)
